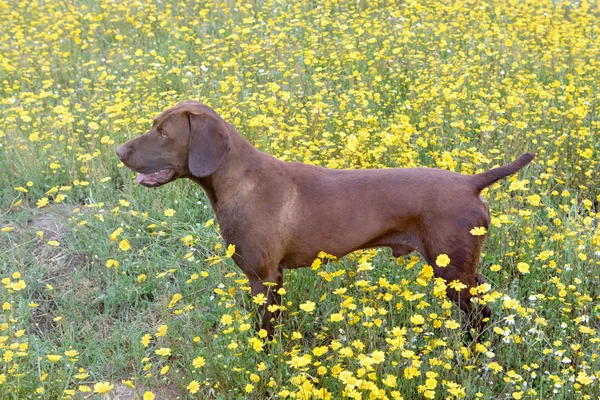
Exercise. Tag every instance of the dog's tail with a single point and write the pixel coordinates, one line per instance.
(485, 179)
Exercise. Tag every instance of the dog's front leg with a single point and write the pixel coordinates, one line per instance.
(269, 287)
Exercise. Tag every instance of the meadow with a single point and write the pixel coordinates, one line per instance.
(110, 290)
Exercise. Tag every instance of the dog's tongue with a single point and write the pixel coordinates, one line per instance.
(155, 178)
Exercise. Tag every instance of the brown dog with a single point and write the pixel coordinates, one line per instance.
(282, 214)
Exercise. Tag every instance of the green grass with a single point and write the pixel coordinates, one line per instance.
(463, 86)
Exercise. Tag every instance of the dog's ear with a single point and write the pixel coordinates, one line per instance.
(209, 144)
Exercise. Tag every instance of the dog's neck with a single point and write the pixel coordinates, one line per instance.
(236, 175)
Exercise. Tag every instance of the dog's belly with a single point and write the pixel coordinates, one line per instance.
(403, 240)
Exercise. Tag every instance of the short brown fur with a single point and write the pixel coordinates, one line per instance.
(282, 214)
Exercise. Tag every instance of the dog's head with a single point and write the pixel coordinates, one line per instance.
(188, 140)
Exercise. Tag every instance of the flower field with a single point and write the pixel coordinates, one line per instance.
(110, 290)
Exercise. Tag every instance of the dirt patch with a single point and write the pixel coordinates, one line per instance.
(124, 392)
(52, 225)
(53, 221)
(57, 262)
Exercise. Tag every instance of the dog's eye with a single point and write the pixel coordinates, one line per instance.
(162, 134)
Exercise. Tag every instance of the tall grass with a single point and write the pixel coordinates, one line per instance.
(106, 291)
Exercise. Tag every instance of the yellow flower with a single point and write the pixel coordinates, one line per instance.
(175, 299)
(534, 200)
(256, 344)
(308, 306)
(378, 356)
(209, 223)
(442, 260)
(233, 345)
(417, 319)
(103, 387)
(53, 243)
(230, 251)
(518, 185)
(430, 383)
(390, 380)
(198, 362)
(316, 264)
(124, 245)
(115, 234)
(128, 383)
(319, 351)
(336, 317)
(148, 396)
(18, 285)
(7, 228)
(584, 379)
(523, 267)
(193, 387)
(300, 361)
(163, 351)
(244, 327)
(54, 358)
(451, 324)
(146, 340)
(42, 202)
(249, 388)
(478, 231)
(9, 355)
(457, 285)
(169, 212)
(226, 319)
(259, 299)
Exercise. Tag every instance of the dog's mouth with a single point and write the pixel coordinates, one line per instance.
(155, 179)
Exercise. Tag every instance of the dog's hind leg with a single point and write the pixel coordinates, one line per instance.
(464, 251)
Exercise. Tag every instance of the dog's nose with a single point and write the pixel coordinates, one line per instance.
(122, 152)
